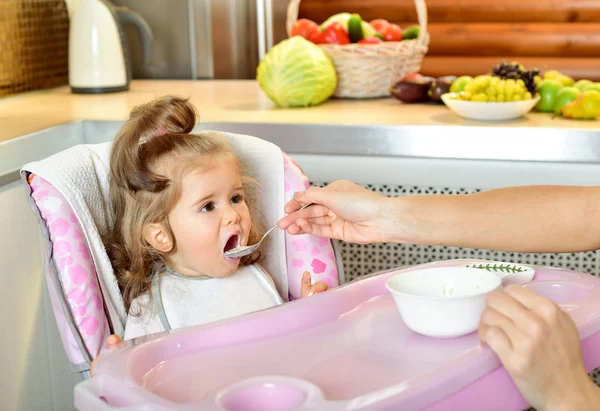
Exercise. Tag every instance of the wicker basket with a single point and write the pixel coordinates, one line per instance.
(368, 71)
(34, 45)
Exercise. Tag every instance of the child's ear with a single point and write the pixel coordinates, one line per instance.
(158, 238)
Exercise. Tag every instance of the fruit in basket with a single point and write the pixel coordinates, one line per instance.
(304, 28)
(336, 34)
(344, 19)
(355, 28)
(459, 84)
(412, 90)
(548, 90)
(379, 24)
(392, 32)
(440, 86)
(370, 40)
(581, 84)
(564, 97)
(368, 31)
(585, 107)
(341, 18)
(410, 33)
(318, 37)
(296, 73)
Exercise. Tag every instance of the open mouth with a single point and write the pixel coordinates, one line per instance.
(231, 243)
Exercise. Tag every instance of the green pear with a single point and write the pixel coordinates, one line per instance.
(551, 74)
(548, 90)
(565, 96)
(584, 107)
(582, 83)
(566, 81)
(592, 86)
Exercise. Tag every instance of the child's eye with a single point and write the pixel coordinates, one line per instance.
(238, 198)
(208, 207)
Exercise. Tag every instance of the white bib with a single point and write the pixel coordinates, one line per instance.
(179, 301)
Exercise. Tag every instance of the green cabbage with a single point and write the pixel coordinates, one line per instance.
(297, 73)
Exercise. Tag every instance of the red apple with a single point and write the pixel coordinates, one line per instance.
(411, 75)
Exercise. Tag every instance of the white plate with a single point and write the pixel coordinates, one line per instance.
(475, 110)
(509, 273)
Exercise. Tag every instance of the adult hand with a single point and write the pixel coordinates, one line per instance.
(341, 210)
(538, 344)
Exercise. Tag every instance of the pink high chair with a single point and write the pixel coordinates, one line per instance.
(68, 193)
(346, 349)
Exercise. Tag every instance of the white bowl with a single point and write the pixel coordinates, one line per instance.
(442, 302)
(476, 110)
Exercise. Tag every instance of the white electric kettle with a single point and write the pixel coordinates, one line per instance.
(98, 55)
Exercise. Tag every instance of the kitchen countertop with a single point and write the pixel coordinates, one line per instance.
(236, 101)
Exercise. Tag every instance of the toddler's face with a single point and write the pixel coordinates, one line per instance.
(210, 217)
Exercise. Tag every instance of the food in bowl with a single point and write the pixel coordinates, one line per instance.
(442, 302)
(488, 110)
(492, 89)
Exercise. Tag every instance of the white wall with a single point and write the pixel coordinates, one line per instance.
(34, 369)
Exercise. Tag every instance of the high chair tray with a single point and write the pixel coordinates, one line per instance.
(346, 349)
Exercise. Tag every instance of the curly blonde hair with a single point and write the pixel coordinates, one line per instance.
(141, 193)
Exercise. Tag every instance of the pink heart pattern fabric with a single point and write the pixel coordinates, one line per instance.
(76, 270)
(305, 252)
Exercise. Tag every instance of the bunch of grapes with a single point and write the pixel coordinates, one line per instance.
(486, 88)
(516, 71)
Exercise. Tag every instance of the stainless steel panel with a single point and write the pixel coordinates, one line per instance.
(201, 35)
(424, 142)
(199, 39)
(279, 15)
(448, 142)
(182, 43)
(234, 38)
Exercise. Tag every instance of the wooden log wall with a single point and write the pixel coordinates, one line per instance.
(470, 36)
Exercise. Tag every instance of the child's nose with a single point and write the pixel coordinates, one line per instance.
(231, 215)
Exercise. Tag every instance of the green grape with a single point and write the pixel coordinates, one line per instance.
(464, 95)
(482, 81)
(509, 90)
(521, 83)
(500, 87)
(517, 97)
(471, 88)
(500, 98)
(492, 99)
(491, 90)
(527, 96)
(479, 97)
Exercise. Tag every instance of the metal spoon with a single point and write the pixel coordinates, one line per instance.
(243, 250)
